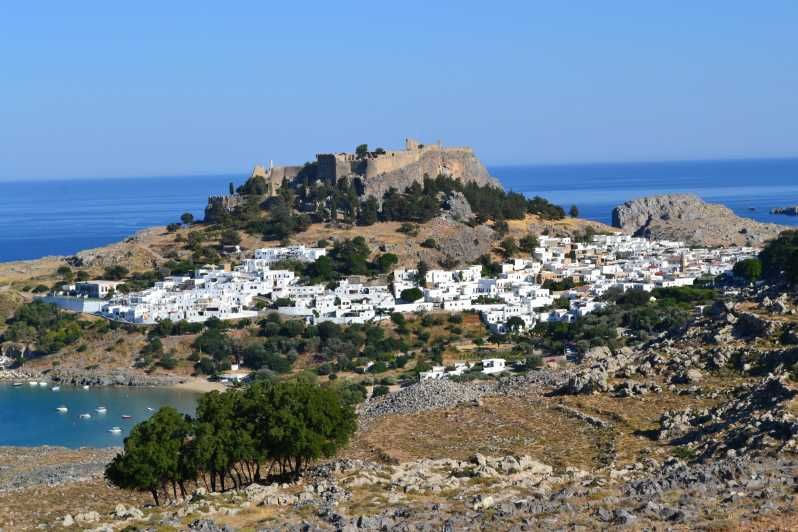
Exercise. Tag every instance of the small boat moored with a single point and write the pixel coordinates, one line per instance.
(55, 388)
(42, 383)
(127, 416)
(33, 383)
(85, 386)
(85, 416)
(115, 430)
(101, 410)
(17, 384)
(62, 409)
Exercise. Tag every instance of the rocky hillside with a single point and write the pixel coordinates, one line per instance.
(687, 218)
(460, 164)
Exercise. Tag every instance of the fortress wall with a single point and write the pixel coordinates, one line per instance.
(462, 164)
(390, 162)
(284, 172)
(327, 165)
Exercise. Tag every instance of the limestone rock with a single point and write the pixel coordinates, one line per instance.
(687, 218)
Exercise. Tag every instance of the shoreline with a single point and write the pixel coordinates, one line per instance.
(190, 384)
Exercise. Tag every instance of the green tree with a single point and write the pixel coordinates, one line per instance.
(421, 272)
(411, 294)
(780, 257)
(528, 243)
(187, 218)
(297, 422)
(151, 456)
(386, 262)
(748, 269)
(515, 324)
(369, 212)
(573, 212)
(509, 247)
(230, 237)
(361, 151)
(66, 273)
(115, 273)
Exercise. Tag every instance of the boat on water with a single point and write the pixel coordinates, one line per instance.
(127, 416)
(55, 388)
(17, 384)
(115, 430)
(85, 386)
(101, 410)
(33, 383)
(42, 383)
(150, 409)
(85, 416)
(62, 409)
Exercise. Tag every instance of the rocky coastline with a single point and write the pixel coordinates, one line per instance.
(687, 218)
(91, 377)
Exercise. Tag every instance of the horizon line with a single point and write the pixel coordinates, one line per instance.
(234, 175)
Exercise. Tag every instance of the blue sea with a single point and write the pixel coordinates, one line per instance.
(61, 217)
(751, 188)
(28, 415)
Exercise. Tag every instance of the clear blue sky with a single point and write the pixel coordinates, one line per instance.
(160, 88)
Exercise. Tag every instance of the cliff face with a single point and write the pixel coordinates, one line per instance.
(687, 218)
(460, 163)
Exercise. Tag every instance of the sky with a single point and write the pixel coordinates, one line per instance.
(103, 89)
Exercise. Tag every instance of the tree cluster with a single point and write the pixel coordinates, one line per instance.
(779, 258)
(266, 431)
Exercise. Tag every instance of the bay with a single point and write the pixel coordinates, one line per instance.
(29, 416)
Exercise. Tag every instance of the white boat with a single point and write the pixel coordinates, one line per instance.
(101, 410)
(17, 384)
(86, 387)
(150, 409)
(85, 416)
(62, 409)
(55, 388)
(33, 383)
(42, 383)
(114, 430)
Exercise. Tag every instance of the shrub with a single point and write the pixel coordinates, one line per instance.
(411, 294)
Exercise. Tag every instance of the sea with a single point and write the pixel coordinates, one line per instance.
(61, 217)
(29, 415)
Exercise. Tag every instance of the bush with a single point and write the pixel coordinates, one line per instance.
(379, 390)
(411, 294)
(780, 257)
(748, 269)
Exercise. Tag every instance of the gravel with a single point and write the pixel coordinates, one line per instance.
(439, 394)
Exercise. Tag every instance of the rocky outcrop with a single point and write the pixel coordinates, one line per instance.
(687, 218)
(110, 377)
(756, 419)
(789, 211)
(460, 163)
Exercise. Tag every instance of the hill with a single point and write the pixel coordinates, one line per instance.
(687, 218)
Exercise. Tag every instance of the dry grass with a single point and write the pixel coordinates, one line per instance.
(24, 509)
(502, 425)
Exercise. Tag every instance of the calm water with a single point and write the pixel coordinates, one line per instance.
(28, 415)
(40, 218)
(749, 187)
